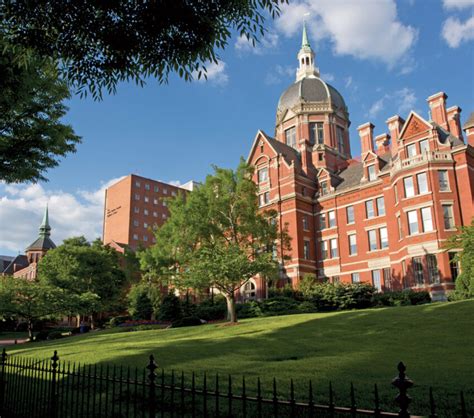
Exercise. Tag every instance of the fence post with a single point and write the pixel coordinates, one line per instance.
(3, 382)
(54, 394)
(402, 383)
(152, 387)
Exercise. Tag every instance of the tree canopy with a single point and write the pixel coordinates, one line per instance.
(100, 43)
(32, 136)
(216, 237)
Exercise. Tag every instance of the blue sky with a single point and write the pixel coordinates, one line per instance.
(385, 57)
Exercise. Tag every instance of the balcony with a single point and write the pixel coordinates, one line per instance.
(426, 157)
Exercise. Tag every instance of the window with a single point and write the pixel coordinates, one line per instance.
(322, 221)
(306, 250)
(147, 186)
(137, 197)
(400, 231)
(249, 290)
(145, 238)
(136, 223)
(156, 189)
(380, 206)
(372, 239)
(404, 272)
(454, 265)
(371, 173)
(173, 193)
(155, 201)
(426, 219)
(335, 279)
(332, 219)
(145, 212)
(137, 184)
(333, 244)
(433, 272)
(387, 279)
(448, 216)
(264, 198)
(422, 183)
(352, 244)
(418, 271)
(350, 214)
(395, 189)
(303, 191)
(263, 175)
(136, 210)
(146, 199)
(320, 156)
(369, 209)
(305, 223)
(443, 181)
(316, 133)
(155, 214)
(412, 222)
(340, 139)
(409, 189)
(163, 215)
(145, 225)
(411, 150)
(135, 236)
(383, 238)
(290, 137)
(324, 250)
(424, 146)
(164, 203)
(355, 277)
(324, 188)
(377, 283)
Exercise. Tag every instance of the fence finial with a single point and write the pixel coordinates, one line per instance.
(4, 356)
(402, 383)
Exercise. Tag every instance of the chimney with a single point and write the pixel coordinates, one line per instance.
(437, 104)
(395, 126)
(382, 143)
(454, 121)
(305, 152)
(468, 128)
(366, 133)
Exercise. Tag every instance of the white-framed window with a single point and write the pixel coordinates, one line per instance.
(332, 218)
(145, 212)
(155, 214)
(352, 244)
(376, 282)
(316, 133)
(324, 250)
(369, 209)
(371, 173)
(383, 237)
(448, 216)
(355, 277)
(324, 188)
(426, 219)
(454, 265)
(290, 137)
(424, 146)
(305, 223)
(145, 225)
(249, 290)
(137, 197)
(165, 190)
(146, 199)
(135, 236)
(333, 246)
(409, 188)
(411, 150)
(147, 186)
(422, 183)
(264, 198)
(136, 209)
(306, 252)
(387, 279)
(137, 184)
(322, 221)
(350, 214)
(443, 180)
(340, 139)
(372, 234)
(380, 206)
(156, 189)
(433, 272)
(263, 175)
(412, 217)
(145, 238)
(418, 271)
(135, 222)
(155, 201)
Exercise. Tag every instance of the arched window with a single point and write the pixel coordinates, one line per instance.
(249, 290)
(302, 61)
(307, 61)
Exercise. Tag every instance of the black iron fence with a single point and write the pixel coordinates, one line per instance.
(55, 389)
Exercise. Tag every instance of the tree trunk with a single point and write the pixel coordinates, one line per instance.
(30, 329)
(231, 315)
(91, 321)
(78, 321)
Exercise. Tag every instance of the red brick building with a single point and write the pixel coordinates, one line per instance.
(382, 218)
(133, 206)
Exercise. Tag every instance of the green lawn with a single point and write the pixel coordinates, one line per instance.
(435, 341)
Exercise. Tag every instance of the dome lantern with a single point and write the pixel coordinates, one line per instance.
(306, 59)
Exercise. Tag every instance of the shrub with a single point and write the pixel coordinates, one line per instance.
(117, 320)
(139, 303)
(211, 312)
(286, 291)
(42, 335)
(170, 309)
(402, 298)
(250, 309)
(279, 306)
(306, 307)
(187, 321)
(55, 335)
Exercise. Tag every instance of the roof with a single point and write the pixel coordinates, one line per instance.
(289, 153)
(446, 136)
(19, 260)
(5, 260)
(470, 122)
(42, 243)
(310, 89)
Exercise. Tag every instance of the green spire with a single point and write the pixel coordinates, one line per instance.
(45, 229)
(304, 39)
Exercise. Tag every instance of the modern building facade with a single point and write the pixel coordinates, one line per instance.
(133, 207)
(382, 218)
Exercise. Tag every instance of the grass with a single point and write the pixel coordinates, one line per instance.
(13, 335)
(435, 342)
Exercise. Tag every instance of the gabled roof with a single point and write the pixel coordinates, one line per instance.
(470, 122)
(19, 260)
(289, 154)
(5, 260)
(445, 136)
(42, 243)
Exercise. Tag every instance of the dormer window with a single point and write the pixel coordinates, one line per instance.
(324, 188)
(263, 175)
(290, 137)
(316, 133)
(371, 174)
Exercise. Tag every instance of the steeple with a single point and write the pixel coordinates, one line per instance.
(45, 229)
(306, 59)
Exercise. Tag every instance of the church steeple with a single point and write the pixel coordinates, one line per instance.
(306, 58)
(45, 229)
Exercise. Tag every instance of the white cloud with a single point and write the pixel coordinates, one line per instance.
(457, 4)
(328, 77)
(373, 31)
(401, 101)
(268, 42)
(456, 32)
(279, 74)
(71, 214)
(216, 74)
(348, 82)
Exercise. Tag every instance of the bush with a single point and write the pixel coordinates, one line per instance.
(279, 306)
(402, 298)
(250, 309)
(211, 312)
(286, 291)
(170, 309)
(187, 321)
(117, 320)
(55, 335)
(139, 303)
(42, 335)
(306, 307)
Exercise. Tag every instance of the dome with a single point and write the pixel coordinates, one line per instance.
(310, 89)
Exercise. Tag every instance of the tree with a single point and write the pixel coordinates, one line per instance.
(464, 241)
(32, 137)
(32, 300)
(216, 237)
(139, 302)
(85, 269)
(102, 43)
